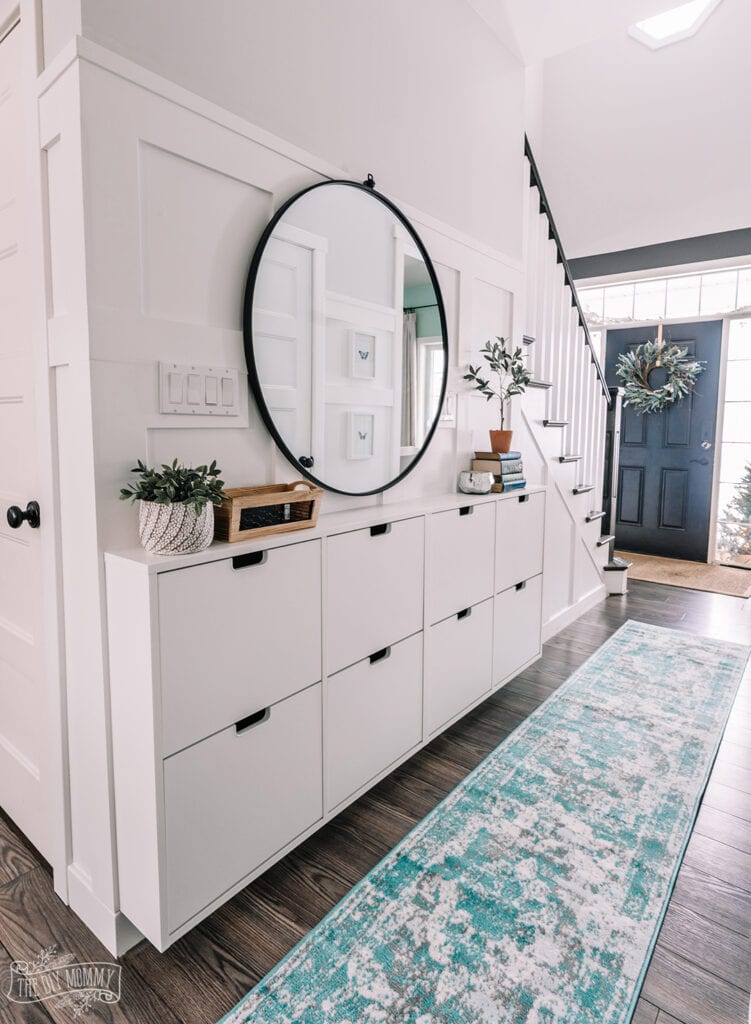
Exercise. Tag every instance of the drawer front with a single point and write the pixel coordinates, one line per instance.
(458, 663)
(374, 590)
(519, 539)
(373, 716)
(461, 545)
(237, 639)
(518, 618)
(235, 799)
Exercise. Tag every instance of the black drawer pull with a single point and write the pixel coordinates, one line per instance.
(466, 510)
(254, 558)
(380, 655)
(378, 531)
(521, 586)
(464, 613)
(523, 497)
(255, 719)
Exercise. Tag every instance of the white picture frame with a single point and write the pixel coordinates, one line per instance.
(360, 431)
(362, 355)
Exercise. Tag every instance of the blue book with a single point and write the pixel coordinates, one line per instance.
(514, 466)
(515, 485)
(499, 456)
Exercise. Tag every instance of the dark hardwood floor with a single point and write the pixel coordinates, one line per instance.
(701, 968)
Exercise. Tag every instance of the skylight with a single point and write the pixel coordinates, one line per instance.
(673, 25)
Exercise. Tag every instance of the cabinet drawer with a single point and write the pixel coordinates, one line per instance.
(461, 546)
(237, 639)
(519, 539)
(373, 716)
(516, 634)
(458, 663)
(235, 799)
(374, 589)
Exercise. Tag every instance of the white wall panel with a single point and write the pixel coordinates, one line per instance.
(198, 226)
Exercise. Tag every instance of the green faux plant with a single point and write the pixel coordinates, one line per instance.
(508, 364)
(176, 484)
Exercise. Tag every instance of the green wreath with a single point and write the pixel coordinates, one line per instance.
(635, 367)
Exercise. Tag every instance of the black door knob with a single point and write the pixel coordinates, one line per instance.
(306, 461)
(17, 516)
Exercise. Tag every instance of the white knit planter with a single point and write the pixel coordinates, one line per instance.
(175, 529)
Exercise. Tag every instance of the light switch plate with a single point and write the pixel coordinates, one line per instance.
(186, 390)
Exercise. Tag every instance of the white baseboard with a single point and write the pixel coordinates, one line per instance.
(111, 927)
(572, 613)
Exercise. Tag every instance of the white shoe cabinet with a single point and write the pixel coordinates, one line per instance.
(258, 688)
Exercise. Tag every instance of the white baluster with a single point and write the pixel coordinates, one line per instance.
(532, 272)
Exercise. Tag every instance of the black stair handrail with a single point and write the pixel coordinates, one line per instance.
(534, 179)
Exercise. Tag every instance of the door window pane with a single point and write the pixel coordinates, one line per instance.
(591, 300)
(744, 288)
(740, 340)
(619, 302)
(737, 425)
(734, 508)
(649, 300)
(738, 384)
(718, 292)
(683, 297)
(736, 457)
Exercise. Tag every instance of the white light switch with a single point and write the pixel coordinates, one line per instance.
(175, 387)
(194, 389)
(200, 391)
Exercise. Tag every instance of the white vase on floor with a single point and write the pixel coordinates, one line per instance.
(175, 529)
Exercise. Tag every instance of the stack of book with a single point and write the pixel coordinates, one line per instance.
(507, 469)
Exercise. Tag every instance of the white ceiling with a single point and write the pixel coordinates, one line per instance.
(538, 29)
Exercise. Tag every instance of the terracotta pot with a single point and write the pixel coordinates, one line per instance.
(500, 441)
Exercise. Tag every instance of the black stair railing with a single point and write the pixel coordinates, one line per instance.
(534, 179)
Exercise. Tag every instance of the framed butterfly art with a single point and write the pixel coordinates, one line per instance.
(360, 428)
(362, 355)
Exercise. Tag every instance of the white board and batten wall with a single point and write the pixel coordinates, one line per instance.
(147, 263)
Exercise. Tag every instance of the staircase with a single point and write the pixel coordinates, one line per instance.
(567, 418)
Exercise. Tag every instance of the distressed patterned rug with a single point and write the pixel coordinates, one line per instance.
(533, 894)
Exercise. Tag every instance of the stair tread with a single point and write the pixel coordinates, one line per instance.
(617, 565)
(570, 458)
(555, 423)
(593, 515)
(584, 488)
(534, 383)
(605, 539)
(528, 339)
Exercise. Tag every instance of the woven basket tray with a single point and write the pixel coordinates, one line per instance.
(249, 512)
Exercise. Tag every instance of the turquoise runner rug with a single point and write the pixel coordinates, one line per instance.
(533, 894)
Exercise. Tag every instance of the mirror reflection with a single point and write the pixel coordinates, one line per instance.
(345, 341)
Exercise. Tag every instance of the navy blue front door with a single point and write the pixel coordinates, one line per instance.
(667, 458)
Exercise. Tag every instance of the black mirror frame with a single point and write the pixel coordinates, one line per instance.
(255, 384)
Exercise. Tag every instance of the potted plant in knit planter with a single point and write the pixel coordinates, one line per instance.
(176, 512)
(513, 378)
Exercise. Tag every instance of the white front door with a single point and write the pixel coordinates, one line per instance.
(23, 715)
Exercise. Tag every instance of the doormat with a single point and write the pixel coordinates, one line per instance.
(673, 572)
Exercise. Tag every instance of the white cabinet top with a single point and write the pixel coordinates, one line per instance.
(328, 524)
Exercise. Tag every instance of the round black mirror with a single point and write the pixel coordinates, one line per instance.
(345, 338)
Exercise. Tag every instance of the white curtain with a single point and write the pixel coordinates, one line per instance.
(409, 380)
